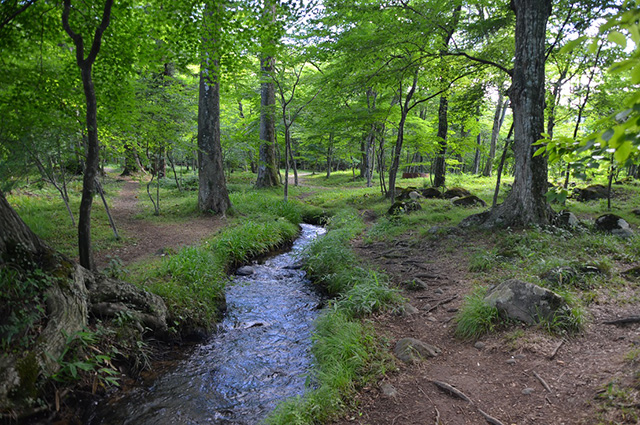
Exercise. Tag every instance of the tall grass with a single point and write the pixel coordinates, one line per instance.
(347, 352)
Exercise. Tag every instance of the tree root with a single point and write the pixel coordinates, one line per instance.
(459, 394)
(623, 321)
(542, 381)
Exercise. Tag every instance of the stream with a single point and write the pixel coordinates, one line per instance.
(259, 356)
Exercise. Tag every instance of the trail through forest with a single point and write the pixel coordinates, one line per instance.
(145, 238)
(517, 375)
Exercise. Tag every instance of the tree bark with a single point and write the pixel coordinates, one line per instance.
(93, 146)
(526, 204)
(267, 166)
(440, 166)
(212, 190)
(498, 119)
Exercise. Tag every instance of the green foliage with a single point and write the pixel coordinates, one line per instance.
(476, 317)
(22, 304)
(80, 359)
(348, 356)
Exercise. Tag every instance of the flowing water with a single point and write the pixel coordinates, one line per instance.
(260, 356)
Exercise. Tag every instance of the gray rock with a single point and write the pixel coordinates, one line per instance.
(511, 361)
(416, 284)
(528, 391)
(613, 224)
(245, 271)
(560, 275)
(480, 345)
(388, 390)
(415, 195)
(411, 350)
(525, 301)
(567, 219)
(408, 309)
(591, 193)
(439, 291)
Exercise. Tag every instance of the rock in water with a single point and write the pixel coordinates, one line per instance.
(245, 271)
(525, 301)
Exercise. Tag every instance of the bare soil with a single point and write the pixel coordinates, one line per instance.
(505, 373)
(145, 239)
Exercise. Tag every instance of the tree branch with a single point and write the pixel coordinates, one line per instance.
(15, 14)
(480, 60)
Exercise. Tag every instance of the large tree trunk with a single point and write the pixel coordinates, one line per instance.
(526, 204)
(267, 166)
(212, 189)
(93, 147)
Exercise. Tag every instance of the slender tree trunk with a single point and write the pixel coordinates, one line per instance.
(498, 119)
(440, 166)
(329, 154)
(526, 204)
(93, 146)
(212, 189)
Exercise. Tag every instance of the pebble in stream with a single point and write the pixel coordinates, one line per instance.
(260, 357)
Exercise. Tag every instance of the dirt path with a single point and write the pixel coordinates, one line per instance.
(144, 238)
(498, 372)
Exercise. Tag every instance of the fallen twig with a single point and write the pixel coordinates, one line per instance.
(623, 321)
(428, 276)
(542, 381)
(555, 350)
(451, 390)
(443, 302)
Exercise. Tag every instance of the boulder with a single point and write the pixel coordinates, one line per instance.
(402, 194)
(414, 175)
(431, 192)
(415, 195)
(616, 225)
(456, 192)
(401, 207)
(411, 350)
(567, 219)
(525, 301)
(469, 201)
(636, 211)
(591, 193)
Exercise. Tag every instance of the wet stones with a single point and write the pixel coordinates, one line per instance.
(411, 350)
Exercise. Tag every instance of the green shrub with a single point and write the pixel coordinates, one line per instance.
(476, 317)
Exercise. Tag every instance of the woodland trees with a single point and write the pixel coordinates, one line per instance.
(380, 74)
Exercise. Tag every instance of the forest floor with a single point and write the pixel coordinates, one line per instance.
(145, 238)
(504, 373)
(517, 376)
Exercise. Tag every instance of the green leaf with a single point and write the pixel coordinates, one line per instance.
(568, 48)
(623, 152)
(618, 38)
(540, 151)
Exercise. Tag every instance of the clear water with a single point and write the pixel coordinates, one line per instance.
(260, 356)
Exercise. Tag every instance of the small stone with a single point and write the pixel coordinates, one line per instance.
(388, 390)
(409, 309)
(480, 345)
(520, 356)
(528, 391)
(416, 284)
(511, 361)
(410, 350)
(439, 291)
(432, 319)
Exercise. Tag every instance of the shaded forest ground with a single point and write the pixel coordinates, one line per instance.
(591, 376)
